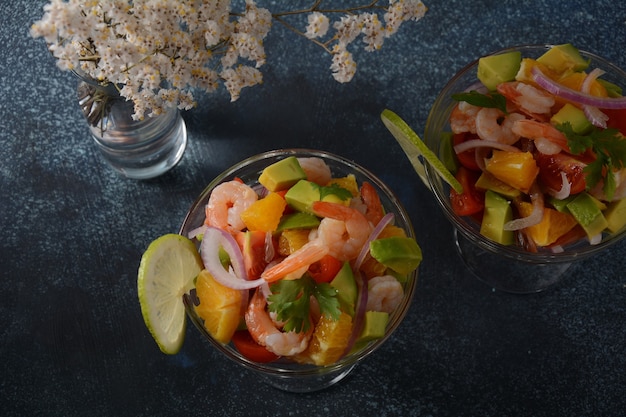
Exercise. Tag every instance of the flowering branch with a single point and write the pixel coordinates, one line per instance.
(157, 51)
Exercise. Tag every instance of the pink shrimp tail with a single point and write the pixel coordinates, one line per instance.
(311, 252)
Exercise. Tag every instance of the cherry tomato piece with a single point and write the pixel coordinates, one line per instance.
(617, 119)
(551, 166)
(325, 269)
(471, 201)
(246, 345)
(466, 158)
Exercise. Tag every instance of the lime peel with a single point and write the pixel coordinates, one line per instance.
(167, 270)
(414, 147)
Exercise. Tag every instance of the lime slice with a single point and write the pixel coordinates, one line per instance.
(414, 147)
(167, 270)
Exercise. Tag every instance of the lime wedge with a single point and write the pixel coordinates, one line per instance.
(167, 270)
(414, 147)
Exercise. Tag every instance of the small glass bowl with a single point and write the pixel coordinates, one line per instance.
(283, 374)
(507, 268)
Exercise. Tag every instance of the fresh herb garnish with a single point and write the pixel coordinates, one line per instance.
(290, 300)
(609, 148)
(492, 101)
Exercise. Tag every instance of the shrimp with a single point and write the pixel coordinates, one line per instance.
(492, 124)
(316, 170)
(374, 209)
(384, 294)
(463, 117)
(264, 331)
(343, 230)
(296, 264)
(530, 100)
(228, 200)
(543, 134)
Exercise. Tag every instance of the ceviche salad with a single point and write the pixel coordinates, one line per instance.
(302, 266)
(539, 149)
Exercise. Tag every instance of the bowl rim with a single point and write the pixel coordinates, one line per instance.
(571, 253)
(292, 369)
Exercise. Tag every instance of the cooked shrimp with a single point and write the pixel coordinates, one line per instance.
(296, 264)
(528, 99)
(463, 117)
(540, 132)
(264, 331)
(316, 170)
(343, 230)
(384, 294)
(374, 209)
(228, 200)
(493, 124)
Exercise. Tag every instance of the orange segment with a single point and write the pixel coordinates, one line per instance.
(553, 225)
(291, 240)
(219, 307)
(517, 169)
(575, 82)
(264, 214)
(329, 340)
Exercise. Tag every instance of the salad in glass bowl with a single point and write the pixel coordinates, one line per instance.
(307, 264)
(535, 137)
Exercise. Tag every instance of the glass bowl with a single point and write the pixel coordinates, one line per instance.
(283, 374)
(507, 268)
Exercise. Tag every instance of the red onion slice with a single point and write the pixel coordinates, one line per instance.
(213, 239)
(576, 96)
(387, 218)
(481, 143)
(536, 196)
(565, 188)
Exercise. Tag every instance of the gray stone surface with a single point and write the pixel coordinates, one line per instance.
(73, 342)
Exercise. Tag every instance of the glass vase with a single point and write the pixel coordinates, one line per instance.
(138, 149)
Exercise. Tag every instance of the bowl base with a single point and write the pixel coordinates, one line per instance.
(507, 274)
(306, 383)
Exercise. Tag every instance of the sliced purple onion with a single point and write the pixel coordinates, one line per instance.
(536, 196)
(236, 278)
(576, 96)
(387, 218)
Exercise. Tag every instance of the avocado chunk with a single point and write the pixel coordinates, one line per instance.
(298, 220)
(401, 254)
(497, 213)
(585, 210)
(282, 174)
(374, 325)
(496, 69)
(563, 58)
(615, 215)
(486, 181)
(574, 116)
(345, 285)
(302, 195)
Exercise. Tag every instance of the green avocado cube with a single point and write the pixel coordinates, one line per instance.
(563, 58)
(302, 195)
(401, 254)
(374, 326)
(496, 69)
(588, 214)
(574, 116)
(497, 213)
(282, 174)
(615, 215)
(346, 287)
(298, 220)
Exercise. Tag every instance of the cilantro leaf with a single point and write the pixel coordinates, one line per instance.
(492, 101)
(290, 300)
(609, 148)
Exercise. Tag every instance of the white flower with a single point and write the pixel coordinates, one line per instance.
(158, 51)
(318, 25)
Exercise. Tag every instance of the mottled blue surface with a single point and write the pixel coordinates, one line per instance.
(72, 340)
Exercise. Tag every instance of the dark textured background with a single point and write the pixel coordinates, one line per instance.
(72, 340)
